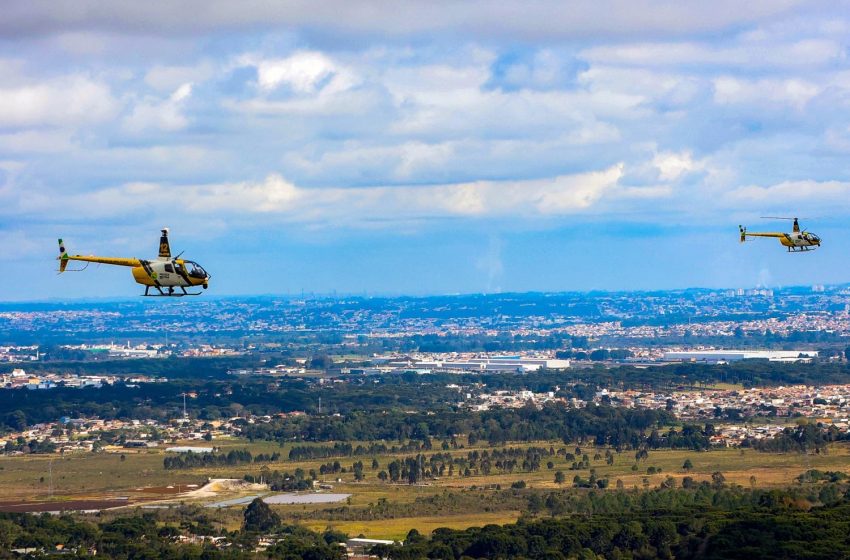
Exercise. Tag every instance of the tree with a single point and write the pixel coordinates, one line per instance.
(332, 536)
(688, 465)
(9, 531)
(259, 517)
(600, 354)
(717, 479)
(358, 470)
(559, 477)
(321, 361)
(414, 537)
(16, 420)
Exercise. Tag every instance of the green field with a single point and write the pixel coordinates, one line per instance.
(105, 474)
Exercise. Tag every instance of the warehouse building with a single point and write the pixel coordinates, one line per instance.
(719, 356)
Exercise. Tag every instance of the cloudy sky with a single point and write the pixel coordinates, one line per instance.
(424, 147)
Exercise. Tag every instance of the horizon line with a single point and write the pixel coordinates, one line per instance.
(389, 295)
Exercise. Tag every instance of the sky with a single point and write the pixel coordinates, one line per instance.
(424, 147)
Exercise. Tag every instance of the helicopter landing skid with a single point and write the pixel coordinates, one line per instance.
(169, 293)
(803, 249)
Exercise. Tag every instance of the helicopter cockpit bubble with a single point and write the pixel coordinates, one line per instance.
(196, 270)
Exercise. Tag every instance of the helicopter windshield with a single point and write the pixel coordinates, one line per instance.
(196, 270)
(812, 237)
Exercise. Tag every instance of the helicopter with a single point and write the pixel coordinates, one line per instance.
(165, 274)
(797, 241)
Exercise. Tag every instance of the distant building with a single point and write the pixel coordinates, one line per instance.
(507, 364)
(136, 444)
(715, 356)
(361, 545)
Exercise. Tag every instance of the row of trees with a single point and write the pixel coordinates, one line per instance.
(338, 449)
(805, 438)
(192, 460)
(600, 425)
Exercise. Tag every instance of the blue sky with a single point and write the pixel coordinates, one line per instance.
(424, 147)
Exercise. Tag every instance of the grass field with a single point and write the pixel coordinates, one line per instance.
(104, 475)
(398, 528)
(86, 474)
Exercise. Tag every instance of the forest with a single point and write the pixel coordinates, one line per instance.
(709, 521)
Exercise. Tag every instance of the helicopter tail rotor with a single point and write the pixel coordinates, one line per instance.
(743, 231)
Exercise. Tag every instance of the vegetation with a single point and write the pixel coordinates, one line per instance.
(217, 395)
(233, 457)
(601, 424)
(709, 521)
(806, 438)
(259, 517)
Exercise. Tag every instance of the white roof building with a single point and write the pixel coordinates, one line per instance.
(737, 355)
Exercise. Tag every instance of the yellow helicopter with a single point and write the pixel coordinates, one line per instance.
(164, 274)
(797, 241)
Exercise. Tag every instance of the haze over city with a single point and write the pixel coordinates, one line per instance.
(427, 148)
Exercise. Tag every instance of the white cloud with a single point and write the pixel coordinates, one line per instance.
(329, 207)
(163, 114)
(37, 142)
(354, 102)
(69, 100)
(804, 53)
(671, 165)
(359, 161)
(793, 91)
(169, 78)
(806, 193)
(457, 106)
(304, 72)
(637, 81)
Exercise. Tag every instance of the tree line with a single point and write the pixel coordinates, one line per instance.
(233, 457)
(601, 425)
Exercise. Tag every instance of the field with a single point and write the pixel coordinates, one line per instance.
(396, 529)
(377, 509)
